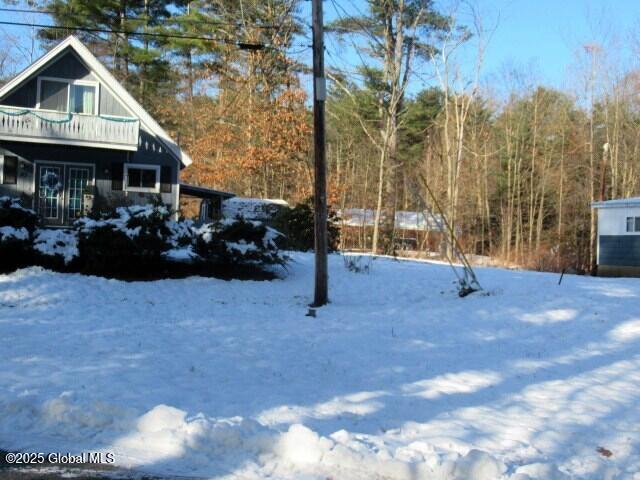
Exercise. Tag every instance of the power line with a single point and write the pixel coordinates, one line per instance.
(172, 21)
(239, 44)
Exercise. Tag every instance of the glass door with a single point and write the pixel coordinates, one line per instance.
(50, 192)
(78, 179)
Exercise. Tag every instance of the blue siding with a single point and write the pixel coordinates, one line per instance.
(149, 153)
(66, 65)
(620, 250)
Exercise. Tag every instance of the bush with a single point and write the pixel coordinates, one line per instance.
(298, 225)
(56, 249)
(139, 242)
(238, 242)
(128, 242)
(16, 228)
(13, 214)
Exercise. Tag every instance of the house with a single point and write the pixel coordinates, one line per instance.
(72, 139)
(618, 251)
(414, 230)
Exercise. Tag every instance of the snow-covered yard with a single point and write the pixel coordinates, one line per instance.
(398, 378)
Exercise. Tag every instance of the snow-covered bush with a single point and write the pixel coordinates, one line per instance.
(145, 242)
(55, 248)
(13, 214)
(16, 227)
(138, 242)
(128, 242)
(238, 242)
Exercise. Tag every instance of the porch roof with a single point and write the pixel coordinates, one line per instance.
(203, 192)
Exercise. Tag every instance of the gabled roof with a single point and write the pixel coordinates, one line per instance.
(109, 81)
(618, 203)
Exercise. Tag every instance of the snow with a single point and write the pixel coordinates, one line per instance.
(124, 215)
(252, 208)
(181, 254)
(12, 233)
(57, 242)
(398, 378)
(242, 246)
(16, 203)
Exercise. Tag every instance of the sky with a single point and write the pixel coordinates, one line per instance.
(541, 36)
(537, 35)
(547, 33)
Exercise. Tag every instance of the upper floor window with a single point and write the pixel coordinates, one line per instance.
(633, 224)
(67, 95)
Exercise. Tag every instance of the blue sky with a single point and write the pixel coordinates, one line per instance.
(542, 35)
(547, 33)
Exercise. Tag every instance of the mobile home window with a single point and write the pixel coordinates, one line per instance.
(633, 224)
(142, 178)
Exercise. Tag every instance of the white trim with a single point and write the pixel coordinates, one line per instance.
(108, 80)
(141, 166)
(72, 142)
(176, 213)
(618, 203)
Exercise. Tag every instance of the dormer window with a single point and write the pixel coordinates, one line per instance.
(62, 95)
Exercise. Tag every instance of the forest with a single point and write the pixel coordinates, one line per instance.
(412, 120)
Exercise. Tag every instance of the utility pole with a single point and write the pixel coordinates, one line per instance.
(321, 295)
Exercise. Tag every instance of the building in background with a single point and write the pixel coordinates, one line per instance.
(618, 253)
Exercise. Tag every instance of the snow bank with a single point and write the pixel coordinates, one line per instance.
(397, 378)
(167, 439)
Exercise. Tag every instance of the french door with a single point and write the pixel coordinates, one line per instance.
(60, 189)
(78, 179)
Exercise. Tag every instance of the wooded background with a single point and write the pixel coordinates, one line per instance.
(515, 164)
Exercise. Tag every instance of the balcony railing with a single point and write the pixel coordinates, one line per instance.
(39, 126)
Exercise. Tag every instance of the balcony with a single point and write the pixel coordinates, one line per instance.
(43, 126)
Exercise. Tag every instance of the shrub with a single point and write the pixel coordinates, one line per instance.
(298, 225)
(126, 243)
(238, 242)
(140, 242)
(13, 214)
(16, 228)
(56, 249)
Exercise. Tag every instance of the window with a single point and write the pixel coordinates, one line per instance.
(142, 178)
(83, 99)
(67, 95)
(54, 95)
(633, 224)
(9, 173)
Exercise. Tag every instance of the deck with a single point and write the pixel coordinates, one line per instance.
(40, 126)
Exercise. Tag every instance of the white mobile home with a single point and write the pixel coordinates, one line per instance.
(618, 237)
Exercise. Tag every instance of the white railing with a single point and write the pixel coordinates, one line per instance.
(40, 126)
